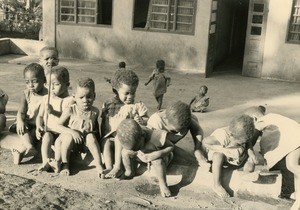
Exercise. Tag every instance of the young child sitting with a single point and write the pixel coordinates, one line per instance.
(116, 109)
(3, 102)
(178, 120)
(81, 130)
(161, 80)
(26, 117)
(51, 108)
(231, 145)
(48, 58)
(200, 102)
(148, 146)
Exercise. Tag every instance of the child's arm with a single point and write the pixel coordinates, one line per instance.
(148, 157)
(21, 116)
(150, 78)
(40, 122)
(60, 128)
(193, 99)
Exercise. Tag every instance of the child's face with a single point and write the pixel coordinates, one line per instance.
(84, 98)
(33, 82)
(58, 88)
(202, 91)
(175, 129)
(126, 93)
(48, 59)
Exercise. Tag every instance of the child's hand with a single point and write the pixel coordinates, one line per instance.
(78, 138)
(143, 157)
(20, 127)
(138, 119)
(39, 132)
(252, 156)
(49, 109)
(146, 83)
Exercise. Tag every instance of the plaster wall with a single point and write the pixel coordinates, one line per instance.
(120, 42)
(281, 59)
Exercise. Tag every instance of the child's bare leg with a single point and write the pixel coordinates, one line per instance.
(66, 146)
(115, 172)
(108, 154)
(292, 163)
(202, 161)
(93, 146)
(159, 100)
(159, 168)
(218, 159)
(128, 165)
(18, 154)
(27, 141)
(46, 151)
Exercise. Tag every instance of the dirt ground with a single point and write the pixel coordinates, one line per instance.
(22, 187)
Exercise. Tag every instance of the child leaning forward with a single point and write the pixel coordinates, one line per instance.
(148, 146)
(82, 129)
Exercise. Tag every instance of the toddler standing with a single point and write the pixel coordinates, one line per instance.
(51, 108)
(81, 131)
(161, 80)
(26, 117)
(116, 109)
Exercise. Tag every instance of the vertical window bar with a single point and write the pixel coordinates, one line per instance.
(175, 15)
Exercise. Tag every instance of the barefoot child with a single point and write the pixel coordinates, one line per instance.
(81, 131)
(50, 111)
(48, 58)
(116, 109)
(231, 145)
(147, 146)
(178, 120)
(26, 117)
(3, 102)
(161, 80)
(200, 102)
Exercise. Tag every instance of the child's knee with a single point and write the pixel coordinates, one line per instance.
(217, 156)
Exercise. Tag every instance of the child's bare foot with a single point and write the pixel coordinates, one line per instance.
(114, 173)
(55, 165)
(30, 152)
(165, 191)
(17, 156)
(45, 167)
(65, 169)
(220, 191)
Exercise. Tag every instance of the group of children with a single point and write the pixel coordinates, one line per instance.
(126, 136)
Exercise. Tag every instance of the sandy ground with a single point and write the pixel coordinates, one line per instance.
(23, 188)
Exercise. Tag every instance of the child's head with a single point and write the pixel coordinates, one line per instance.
(125, 83)
(122, 65)
(84, 95)
(60, 80)
(178, 116)
(34, 77)
(160, 64)
(203, 90)
(49, 57)
(242, 129)
(255, 112)
(129, 133)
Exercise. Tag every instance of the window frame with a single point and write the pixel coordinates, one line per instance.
(290, 23)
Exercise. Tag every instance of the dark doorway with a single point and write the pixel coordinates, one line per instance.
(232, 18)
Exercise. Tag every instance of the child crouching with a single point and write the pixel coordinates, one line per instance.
(148, 146)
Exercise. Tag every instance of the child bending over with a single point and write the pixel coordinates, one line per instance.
(3, 102)
(81, 131)
(147, 146)
(231, 145)
(178, 120)
(200, 102)
(51, 108)
(161, 80)
(31, 100)
(48, 58)
(116, 109)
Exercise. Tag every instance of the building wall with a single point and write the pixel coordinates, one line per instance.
(120, 42)
(281, 59)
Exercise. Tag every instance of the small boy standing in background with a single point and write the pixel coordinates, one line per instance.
(48, 58)
(200, 102)
(147, 146)
(122, 66)
(3, 102)
(161, 80)
(231, 145)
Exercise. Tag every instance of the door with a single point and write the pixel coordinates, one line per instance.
(211, 51)
(255, 38)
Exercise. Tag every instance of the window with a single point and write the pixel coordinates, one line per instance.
(165, 15)
(85, 11)
(294, 29)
